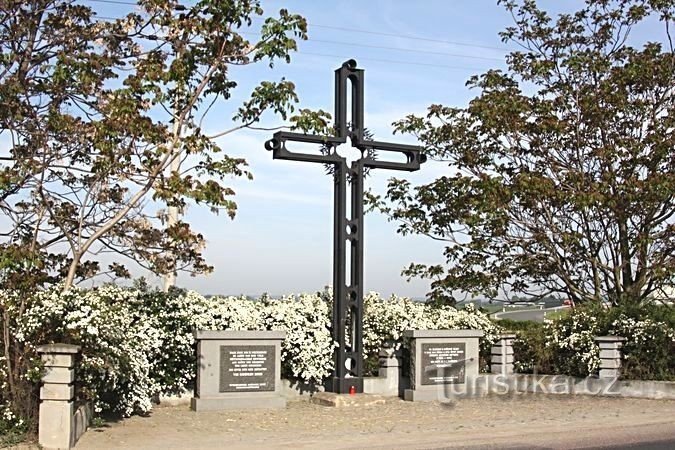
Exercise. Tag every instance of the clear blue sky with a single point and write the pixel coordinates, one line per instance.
(281, 239)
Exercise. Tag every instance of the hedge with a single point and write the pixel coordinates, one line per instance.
(138, 343)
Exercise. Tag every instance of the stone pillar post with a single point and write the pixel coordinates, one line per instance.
(57, 395)
(610, 355)
(501, 361)
(390, 367)
(390, 360)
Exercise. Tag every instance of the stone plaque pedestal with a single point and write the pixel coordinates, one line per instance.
(443, 364)
(238, 370)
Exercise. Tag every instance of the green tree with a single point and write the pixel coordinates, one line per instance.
(102, 124)
(562, 169)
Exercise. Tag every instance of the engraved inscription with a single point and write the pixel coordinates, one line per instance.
(247, 368)
(443, 363)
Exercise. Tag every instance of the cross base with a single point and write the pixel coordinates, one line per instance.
(343, 385)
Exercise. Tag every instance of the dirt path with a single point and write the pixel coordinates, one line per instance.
(524, 420)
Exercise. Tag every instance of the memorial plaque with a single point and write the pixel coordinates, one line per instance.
(443, 363)
(247, 368)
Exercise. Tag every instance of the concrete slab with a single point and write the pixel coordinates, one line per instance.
(346, 400)
(232, 402)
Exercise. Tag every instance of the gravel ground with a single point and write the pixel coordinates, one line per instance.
(524, 420)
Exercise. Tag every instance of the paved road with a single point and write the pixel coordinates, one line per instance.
(497, 422)
(536, 315)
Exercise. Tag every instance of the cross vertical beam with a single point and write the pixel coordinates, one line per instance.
(347, 323)
(339, 322)
(355, 294)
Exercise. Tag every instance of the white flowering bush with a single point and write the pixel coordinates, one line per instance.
(307, 351)
(566, 345)
(572, 339)
(10, 421)
(20, 372)
(649, 351)
(138, 343)
(118, 344)
(387, 319)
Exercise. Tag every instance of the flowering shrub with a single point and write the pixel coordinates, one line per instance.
(119, 344)
(138, 343)
(387, 319)
(530, 352)
(566, 345)
(307, 351)
(572, 339)
(11, 425)
(649, 351)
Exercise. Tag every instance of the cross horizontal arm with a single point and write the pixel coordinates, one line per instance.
(284, 136)
(410, 166)
(388, 146)
(413, 153)
(278, 147)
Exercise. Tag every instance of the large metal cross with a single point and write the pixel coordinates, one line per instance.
(347, 328)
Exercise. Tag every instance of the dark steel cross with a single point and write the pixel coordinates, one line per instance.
(347, 325)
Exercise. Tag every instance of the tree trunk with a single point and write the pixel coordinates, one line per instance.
(72, 271)
(172, 219)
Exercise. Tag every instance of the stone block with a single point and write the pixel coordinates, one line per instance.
(243, 367)
(392, 372)
(347, 401)
(59, 348)
(497, 368)
(443, 334)
(59, 375)
(442, 363)
(58, 360)
(81, 420)
(238, 402)
(413, 395)
(502, 359)
(609, 342)
(390, 362)
(610, 363)
(610, 354)
(499, 350)
(647, 389)
(55, 424)
(63, 392)
(609, 373)
(388, 382)
(506, 339)
(206, 335)
(609, 345)
(474, 388)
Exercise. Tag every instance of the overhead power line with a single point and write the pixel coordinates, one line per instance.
(356, 30)
(402, 36)
(411, 50)
(384, 47)
(391, 61)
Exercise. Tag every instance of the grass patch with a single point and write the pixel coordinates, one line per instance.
(556, 315)
(14, 437)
